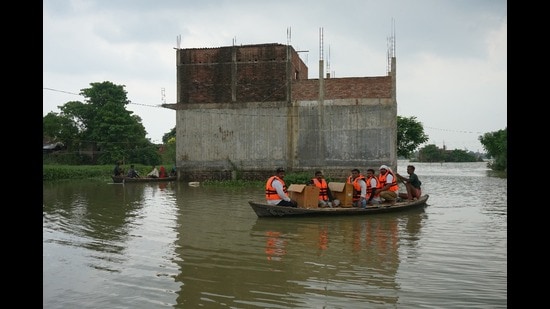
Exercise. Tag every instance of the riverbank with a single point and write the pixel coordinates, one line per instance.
(53, 172)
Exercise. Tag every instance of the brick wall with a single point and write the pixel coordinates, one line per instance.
(235, 116)
(343, 88)
(252, 73)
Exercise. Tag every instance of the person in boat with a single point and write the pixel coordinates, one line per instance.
(326, 199)
(357, 180)
(388, 184)
(118, 171)
(162, 172)
(174, 171)
(276, 191)
(412, 184)
(132, 173)
(373, 188)
(154, 173)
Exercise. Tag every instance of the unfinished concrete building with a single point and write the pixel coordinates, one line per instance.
(242, 111)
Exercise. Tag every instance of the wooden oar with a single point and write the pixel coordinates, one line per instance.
(400, 178)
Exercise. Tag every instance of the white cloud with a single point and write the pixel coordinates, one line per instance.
(451, 55)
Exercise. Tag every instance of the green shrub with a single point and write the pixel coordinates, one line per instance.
(58, 172)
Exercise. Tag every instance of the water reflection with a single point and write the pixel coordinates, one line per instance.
(172, 245)
(295, 261)
(91, 221)
(92, 231)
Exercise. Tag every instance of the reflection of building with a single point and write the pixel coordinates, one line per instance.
(367, 251)
(378, 237)
(361, 257)
(284, 262)
(231, 100)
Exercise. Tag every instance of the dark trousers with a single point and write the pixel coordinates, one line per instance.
(285, 203)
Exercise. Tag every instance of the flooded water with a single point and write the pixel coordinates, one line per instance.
(161, 245)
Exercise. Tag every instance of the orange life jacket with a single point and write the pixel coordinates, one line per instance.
(356, 187)
(270, 192)
(369, 187)
(323, 186)
(382, 181)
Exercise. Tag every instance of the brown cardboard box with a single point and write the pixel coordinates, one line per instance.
(306, 196)
(342, 191)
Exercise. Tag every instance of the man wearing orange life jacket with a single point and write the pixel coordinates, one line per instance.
(373, 188)
(276, 192)
(359, 198)
(325, 195)
(388, 183)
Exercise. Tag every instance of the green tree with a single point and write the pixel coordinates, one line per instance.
(167, 136)
(169, 147)
(59, 128)
(496, 145)
(104, 123)
(410, 134)
(430, 153)
(459, 155)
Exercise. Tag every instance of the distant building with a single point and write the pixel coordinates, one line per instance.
(51, 147)
(242, 111)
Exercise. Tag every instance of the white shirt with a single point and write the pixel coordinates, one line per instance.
(154, 172)
(389, 178)
(279, 187)
(363, 186)
(373, 183)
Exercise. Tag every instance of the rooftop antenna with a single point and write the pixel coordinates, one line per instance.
(328, 63)
(321, 55)
(288, 35)
(321, 52)
(178, 41)
(391, 45)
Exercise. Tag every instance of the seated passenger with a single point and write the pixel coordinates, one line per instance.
(174, 171)
(326, 199)
(132, 173)
(118, 171)
(162, 172)
(154, 173)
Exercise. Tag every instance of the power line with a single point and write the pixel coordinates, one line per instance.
(51, 89)
(456, 131)
(255, 114)
(141, 104)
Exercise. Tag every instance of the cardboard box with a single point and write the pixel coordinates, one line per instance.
(306, 196)
(342, 191)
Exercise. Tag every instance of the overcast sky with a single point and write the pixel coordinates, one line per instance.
(451, 54)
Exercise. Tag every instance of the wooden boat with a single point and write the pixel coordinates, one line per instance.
(124, 179)
(265, 210)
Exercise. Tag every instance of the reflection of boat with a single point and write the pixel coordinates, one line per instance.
(124, 179)
(266, 210)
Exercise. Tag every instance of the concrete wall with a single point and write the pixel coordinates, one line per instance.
(243, 120)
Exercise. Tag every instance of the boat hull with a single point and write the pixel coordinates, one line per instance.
(117, 179)
(266, 210)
